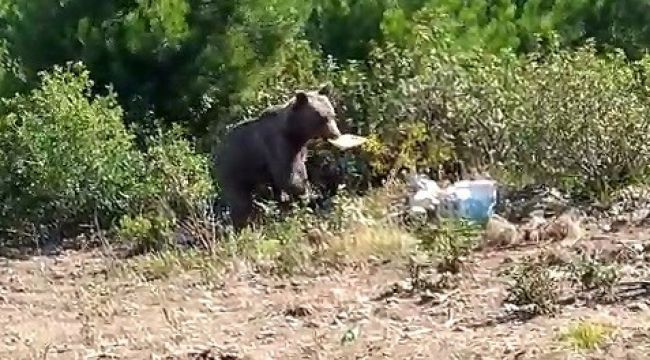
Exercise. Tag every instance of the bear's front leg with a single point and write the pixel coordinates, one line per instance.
(279, 195)
(299, 178)
(285, 179)
(241, 207)
(286, 166)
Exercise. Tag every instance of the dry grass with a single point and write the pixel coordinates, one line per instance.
(586, 335)
(222, 302)
(380, 241)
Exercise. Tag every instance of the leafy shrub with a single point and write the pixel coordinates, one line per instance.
(176, 184)
(149, 231)
(432, 81)
(533, 285)
(570, 118)
(593, 273)
(582, 124)
(176, 172)
(449, 242)
(68, 160)
(65, 155)
(574, 119)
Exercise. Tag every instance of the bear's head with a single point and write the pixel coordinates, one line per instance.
(311, 115)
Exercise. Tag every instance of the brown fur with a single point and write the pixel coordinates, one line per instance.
(272, 150)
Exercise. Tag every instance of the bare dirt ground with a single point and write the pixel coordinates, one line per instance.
(71, 307)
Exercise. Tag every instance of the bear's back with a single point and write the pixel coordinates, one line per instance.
(241, 157)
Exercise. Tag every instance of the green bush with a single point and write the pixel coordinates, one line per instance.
(68, 160)
(573, 119)
(431, 81)
(449, 242)
(177, 182)
(583, 122)
(176, 174)
(64, 154)
(533, 284)
(148, 231)
(420, 104)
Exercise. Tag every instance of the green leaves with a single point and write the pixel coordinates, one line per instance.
(428, 81)
(186, 61)
(585, 120)
(65, 157)
(69, 150)
(198, 62)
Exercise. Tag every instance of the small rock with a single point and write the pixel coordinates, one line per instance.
(638, 248)
(432, 298)
(403, 286)
(510, 308)
(265, 334)
(312, 325)
(640, 215)
(299, 311)
(342, 316)
(338, 293)
(500, 232)
(297, 283)
(638, 307)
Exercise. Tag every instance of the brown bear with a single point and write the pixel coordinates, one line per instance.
(272, 150)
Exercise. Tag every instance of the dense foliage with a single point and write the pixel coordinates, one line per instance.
(534, 87)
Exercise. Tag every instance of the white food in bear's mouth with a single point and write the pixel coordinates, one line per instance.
(347, 141)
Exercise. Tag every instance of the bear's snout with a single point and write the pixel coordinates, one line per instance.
(331, 130)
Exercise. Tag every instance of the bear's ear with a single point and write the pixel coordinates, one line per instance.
(325, 89)
(301, 98)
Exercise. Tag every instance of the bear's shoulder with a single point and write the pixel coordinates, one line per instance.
(268, 114)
